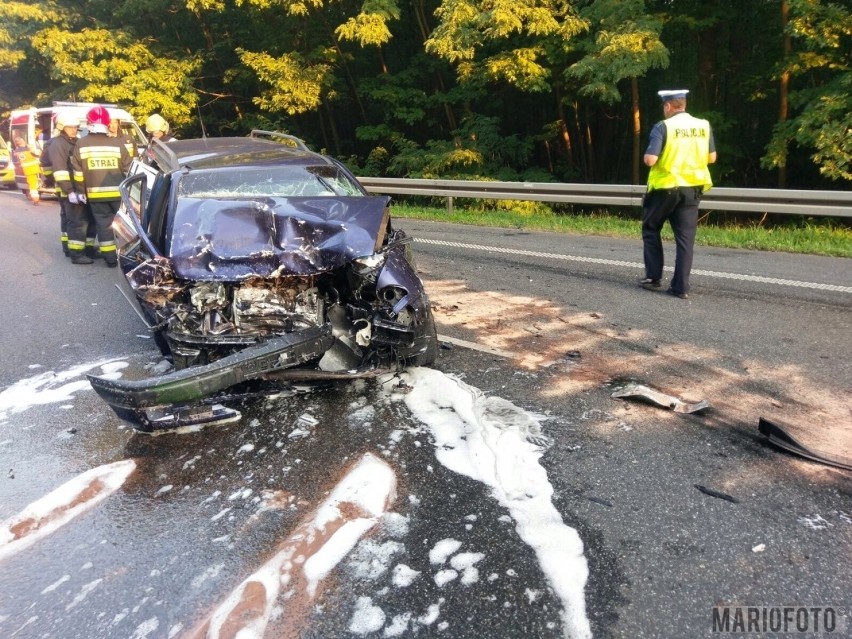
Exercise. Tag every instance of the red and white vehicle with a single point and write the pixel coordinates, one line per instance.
(35, 126)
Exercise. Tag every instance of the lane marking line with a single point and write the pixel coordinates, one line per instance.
(596, 260)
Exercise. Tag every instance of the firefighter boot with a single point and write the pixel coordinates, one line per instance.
(65, 246)
(92, 251)
(79, 257)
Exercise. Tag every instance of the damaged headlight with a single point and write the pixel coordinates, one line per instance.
(369, 262)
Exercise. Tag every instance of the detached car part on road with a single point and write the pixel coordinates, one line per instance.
(255, 261)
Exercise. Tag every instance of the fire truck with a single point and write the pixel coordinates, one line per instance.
(33, 126)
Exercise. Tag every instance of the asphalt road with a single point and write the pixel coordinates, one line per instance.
(551, 323)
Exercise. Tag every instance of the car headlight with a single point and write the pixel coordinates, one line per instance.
(370, 262)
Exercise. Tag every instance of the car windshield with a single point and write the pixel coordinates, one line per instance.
(274, 181)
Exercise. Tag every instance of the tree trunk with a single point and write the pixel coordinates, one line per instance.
(564, 133)
(637, 129)
(783, 90)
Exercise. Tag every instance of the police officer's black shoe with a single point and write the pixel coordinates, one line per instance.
(649, 284)
(80, 258)
(682, 296)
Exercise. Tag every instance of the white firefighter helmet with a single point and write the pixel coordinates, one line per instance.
(66, 118)
(156, 123)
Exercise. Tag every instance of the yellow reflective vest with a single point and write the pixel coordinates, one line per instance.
(683, 161)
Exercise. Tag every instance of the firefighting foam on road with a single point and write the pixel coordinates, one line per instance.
(487, 439)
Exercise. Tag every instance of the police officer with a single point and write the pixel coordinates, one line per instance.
(98, 165)
(679, 150)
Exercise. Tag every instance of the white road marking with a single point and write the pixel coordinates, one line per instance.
(597, 260)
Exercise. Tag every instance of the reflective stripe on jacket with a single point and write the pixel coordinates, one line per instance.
(683, 161)
(58, 154)
(99, 164)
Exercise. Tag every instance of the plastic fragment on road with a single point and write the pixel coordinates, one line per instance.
(717, 494)
(778, 436)
(660, 399)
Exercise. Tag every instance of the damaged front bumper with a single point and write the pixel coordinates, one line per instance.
(141, 400)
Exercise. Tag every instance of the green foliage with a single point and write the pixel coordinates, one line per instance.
(295, 85)
(370, 26)
(529, 90)
(110, 66)
(503, 40)
(624, 42)
(822, 35)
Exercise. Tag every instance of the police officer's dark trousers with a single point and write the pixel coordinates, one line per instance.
(680, 207)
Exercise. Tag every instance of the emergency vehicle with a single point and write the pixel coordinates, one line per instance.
(35, 126)
(7, 170)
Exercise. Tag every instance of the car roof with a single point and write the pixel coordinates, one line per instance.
(255, 150)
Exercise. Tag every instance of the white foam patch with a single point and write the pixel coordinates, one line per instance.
(489, 439)
(371, 559)
(52, 387)
(367, 618)
(403, 575)
(443, 549)
(329, 534)
(398, 625)
(443, 577)
(56, 584)
(57, 508)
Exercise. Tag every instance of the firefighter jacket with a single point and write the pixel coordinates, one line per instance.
(683, 161)
(128, 143)
(98, 165)
(56, 159)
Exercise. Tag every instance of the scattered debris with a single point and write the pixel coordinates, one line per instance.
(71, 431)
(661, 399)
(602, 502)
(717, 494)
(759, 548)
(446, 346)
(573, 354)
(814, 522)
(11, 474)
(779, 436)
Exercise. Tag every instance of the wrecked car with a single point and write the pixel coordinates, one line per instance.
(256, 263)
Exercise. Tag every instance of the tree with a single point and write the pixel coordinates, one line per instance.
(623, 44)
(100, 65)
(821, 34)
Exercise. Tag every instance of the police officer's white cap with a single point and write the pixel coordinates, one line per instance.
(672, 94)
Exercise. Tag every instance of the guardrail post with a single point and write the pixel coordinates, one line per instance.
(450, 205)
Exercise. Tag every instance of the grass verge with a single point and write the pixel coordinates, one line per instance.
(800, 235)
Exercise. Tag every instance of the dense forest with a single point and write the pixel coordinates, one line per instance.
(539, 90)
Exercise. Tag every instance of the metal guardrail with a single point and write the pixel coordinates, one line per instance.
(812, 203)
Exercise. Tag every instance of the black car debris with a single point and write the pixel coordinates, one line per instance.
(255, 263)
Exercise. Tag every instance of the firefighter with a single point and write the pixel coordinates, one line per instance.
(54, 166)
(98, 165)
(26, 167)
(158, 128)
(129, 143)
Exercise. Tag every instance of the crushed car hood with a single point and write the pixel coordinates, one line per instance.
(233, 239)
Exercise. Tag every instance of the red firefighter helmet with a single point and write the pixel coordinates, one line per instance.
(98, 120)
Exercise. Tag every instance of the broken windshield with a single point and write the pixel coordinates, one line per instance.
(270, 181)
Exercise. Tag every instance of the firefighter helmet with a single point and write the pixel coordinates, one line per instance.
(156, 123)
(63, 119)
(98, 119)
